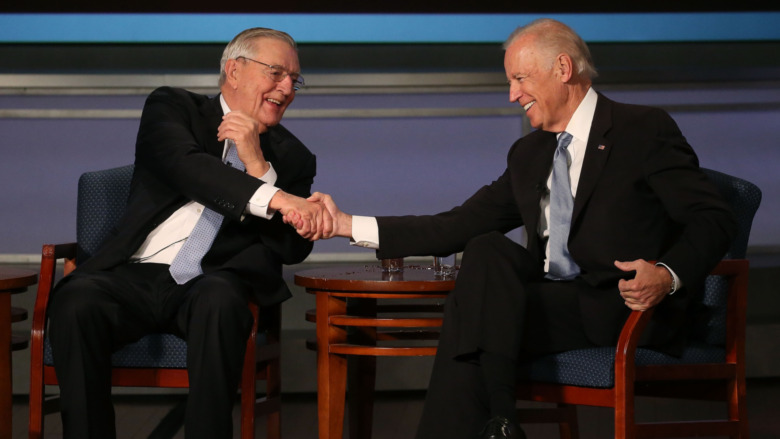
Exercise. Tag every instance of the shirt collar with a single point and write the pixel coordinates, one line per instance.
(581, 120)
(225, 108)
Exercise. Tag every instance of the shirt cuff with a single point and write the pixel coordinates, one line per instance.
(258, 204)
(365, 232)
(270, 176)
(677, 282)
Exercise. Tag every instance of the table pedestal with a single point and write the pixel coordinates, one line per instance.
(363, 313)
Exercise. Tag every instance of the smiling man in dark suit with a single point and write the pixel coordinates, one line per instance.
(222, 163)
(635, 194)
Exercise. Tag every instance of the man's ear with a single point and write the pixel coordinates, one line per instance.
(231, 73)
(564, 66)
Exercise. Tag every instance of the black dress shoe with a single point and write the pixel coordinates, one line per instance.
(499, 427)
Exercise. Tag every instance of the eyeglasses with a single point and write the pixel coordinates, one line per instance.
(278, 73)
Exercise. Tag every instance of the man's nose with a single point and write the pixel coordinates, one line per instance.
(286, 85)
(515, 92)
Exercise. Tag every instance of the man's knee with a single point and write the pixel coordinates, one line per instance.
(223, 298)
(488, 241)
(497, 253)
(490, 247)
(75, 300)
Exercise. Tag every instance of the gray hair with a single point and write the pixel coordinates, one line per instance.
(243, 44)
(553, 38)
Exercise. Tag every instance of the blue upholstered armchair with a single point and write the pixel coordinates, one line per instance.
(712, 367)
(157, 360)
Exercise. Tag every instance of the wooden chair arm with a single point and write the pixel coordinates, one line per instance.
(49, 256)
(629, 340)
(735, 269)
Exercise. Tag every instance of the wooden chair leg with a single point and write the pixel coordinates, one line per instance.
(273, 391)
(35, 426)
(625, 424)
(36, 402)
(248, 384)
(248, 397)
(569, 428)
(274, 425)
(737, 406)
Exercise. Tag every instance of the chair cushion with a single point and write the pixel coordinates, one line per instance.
(595, 367)
(165, 351)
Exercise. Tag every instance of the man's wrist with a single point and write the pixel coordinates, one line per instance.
(344, 225)
(279, 200)
(674, 283)
(257, 168)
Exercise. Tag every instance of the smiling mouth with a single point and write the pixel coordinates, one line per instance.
(274, 101)
(528, 105)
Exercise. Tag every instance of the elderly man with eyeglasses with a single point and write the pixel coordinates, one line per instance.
(224, 162)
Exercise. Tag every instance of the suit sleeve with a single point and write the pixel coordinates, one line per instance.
(707, 223)
(491, 208)
(178, 145)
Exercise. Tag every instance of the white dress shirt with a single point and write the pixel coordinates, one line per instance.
(579, 128)
(165, 241)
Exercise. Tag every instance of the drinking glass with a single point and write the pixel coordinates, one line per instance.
(444, 265)
(392, 265)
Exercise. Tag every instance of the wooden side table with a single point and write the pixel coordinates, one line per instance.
(358, 316)
(12, 280)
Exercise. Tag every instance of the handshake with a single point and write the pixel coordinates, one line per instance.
(314, 218)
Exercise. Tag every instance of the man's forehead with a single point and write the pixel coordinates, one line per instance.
(273, 46)
(522, 58)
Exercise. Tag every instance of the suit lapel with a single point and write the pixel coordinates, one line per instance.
(535, 169)
(211, 110)
(268, 142)
(596, 154)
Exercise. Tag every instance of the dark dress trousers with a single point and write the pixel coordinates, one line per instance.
(641, 194)
(109, 301)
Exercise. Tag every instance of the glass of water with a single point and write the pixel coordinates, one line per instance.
(445, 265)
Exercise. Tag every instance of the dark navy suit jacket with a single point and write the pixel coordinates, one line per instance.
(641, 194)
(178, 159)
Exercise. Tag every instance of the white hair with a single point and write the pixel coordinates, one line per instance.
(553, 38)
(243, 44)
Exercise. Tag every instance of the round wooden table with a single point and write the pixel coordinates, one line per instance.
(12, 280)
(363, 312)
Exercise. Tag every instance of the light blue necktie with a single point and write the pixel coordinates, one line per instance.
(562, 266)
(186, 264)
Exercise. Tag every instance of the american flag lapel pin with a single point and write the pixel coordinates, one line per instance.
(602, 147)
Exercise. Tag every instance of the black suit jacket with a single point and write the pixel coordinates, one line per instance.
(178, 159)
(641, 194)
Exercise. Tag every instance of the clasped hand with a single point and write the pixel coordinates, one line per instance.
(245, 132)
(649, 286)
(311, 220)
(334, 222)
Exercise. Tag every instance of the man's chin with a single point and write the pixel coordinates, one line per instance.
(271, 121)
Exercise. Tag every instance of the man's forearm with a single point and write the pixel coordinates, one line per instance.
(343, 225)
